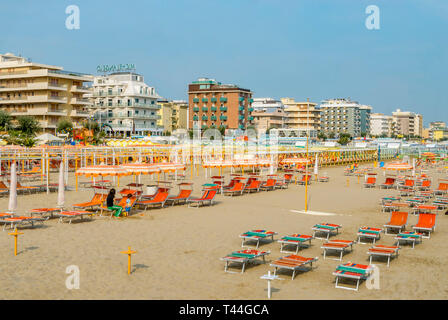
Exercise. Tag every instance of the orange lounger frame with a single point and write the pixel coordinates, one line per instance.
(398, 221)
(207, 198)
(237, 188)
(70, 215)
(97, 200)
(370, 183)
(292, 262)
(337, 245)
(159, 199)
(426, 223)
(383, 251)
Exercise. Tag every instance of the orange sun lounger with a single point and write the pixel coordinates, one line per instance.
(257, 235)
(44, 211)
(97, 200)
(237, 189)
(159, 199)
(389, 183)
(244, 257)
(295, 239)
(70, 215)
(370, 182)
(426, 223)
(292, 262)
(353, 271)
(14, 222)
(398, 221)
(338, 245)
(207, 198)
(183, 196)
(383, 251)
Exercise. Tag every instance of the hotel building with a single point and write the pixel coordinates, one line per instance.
(124, 102)
(45, 92)
(301, 115)
(407, 123)
(381, 124)
(345, 116)
(214, 104)
(173, 115)
(268, 113)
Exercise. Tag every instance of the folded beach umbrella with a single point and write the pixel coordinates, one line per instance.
(12, 206)
(316, 166)
(61, 187)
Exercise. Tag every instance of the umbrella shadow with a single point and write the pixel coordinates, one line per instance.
(139, 266)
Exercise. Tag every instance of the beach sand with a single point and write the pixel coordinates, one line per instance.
(179, 248)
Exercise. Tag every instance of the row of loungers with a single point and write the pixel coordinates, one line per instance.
(348, 271)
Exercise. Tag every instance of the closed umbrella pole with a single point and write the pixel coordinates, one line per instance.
(12, 206)
(61, 187)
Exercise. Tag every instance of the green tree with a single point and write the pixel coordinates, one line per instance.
(331, 135)
(5, 120)
(322, 136)
(65, 126)
(28, 126)
(344, 138)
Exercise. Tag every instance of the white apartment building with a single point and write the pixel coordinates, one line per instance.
(268, 105)
(381, 124)
(345, 116)
(124, 102)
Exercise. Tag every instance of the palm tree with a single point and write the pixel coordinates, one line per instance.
(5, 120)
(28, 126)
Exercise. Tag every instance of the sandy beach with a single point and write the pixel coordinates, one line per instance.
(179, 248)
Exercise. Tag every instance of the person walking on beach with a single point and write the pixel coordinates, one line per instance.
(110, 203)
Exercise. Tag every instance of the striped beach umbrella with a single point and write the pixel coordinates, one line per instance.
(398, 166)
(295, 161)
(141, 168)
(102, 170)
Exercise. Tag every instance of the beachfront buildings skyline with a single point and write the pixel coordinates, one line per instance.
(268, 113)
(345, 116)
(123, 101)
(45, 92)
(221, 105)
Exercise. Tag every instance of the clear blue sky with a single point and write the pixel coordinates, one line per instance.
(304, 48)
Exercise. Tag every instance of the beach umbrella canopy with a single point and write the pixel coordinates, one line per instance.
(295, 161)
(398, 166)
(12, 206)
(61, 187)
(141, 168)
(102, 170)
(171, 167)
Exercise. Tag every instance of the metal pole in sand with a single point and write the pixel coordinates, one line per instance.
(129, 253)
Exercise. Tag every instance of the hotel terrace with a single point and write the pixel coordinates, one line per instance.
(43, 91)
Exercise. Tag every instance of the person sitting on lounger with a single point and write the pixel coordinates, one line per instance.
(110, 203)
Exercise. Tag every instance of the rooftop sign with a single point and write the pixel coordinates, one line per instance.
(115, 68)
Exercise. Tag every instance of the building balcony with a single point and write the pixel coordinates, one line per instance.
(222, 99)
(195, 109)
(250, 109)
(223, 109)
(205, 100)
(33, 99)
(213, 118)
(80, 113)
(204, 109)
(81, 89)
(240, 117)
(195, 118)
(241, 99)
(251, 100)
(80, 101)
(223, 118)
(204, 118)
(214, 109)
(241, 108)
(195, 100)
(33, 86)
(213, 99)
